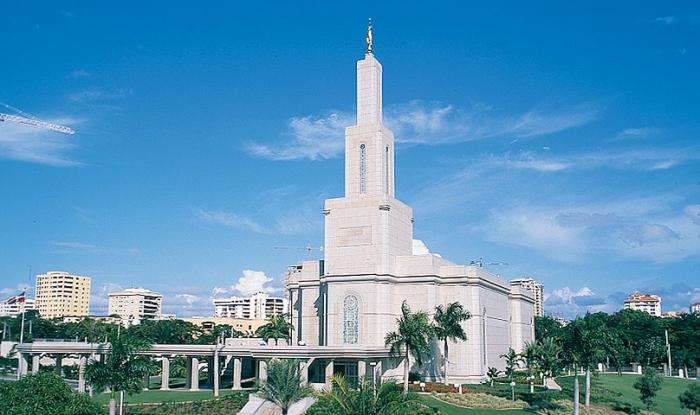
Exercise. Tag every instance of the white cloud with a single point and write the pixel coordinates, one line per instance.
(311, 137)
(420, 122)
(569, 303)
(97, 94)
(252, 282)
(419, 248)
(631, 133)
(36, 145)
(230, 219)
(667, 19)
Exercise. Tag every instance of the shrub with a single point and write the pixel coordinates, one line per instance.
(46, 394)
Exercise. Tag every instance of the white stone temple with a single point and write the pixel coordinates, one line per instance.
(352, 298)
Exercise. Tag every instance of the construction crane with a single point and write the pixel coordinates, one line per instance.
(308, 248)
(30, 120)
(480, 263)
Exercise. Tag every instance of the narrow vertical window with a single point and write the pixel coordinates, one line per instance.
(386, 169)
(363, 169)
(351, 311)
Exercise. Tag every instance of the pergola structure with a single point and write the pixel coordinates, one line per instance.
(328, 360)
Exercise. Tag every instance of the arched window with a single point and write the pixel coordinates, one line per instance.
(363, 169)
(351, 311)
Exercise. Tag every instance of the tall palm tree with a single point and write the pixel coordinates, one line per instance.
(448, 326)
(411, 339)
(368, 399)
(122, 368)
(512, 361)
(283, 386)
(278, 327)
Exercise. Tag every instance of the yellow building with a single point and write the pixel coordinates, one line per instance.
(60, 294)
(244, 325)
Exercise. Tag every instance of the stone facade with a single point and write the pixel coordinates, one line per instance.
(353, 297)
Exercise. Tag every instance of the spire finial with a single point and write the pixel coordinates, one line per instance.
(369, 36)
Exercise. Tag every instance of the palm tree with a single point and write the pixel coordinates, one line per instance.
(278, 327)
(283, 386)
(368, 399)
(448, 326)
(411, 339)
(122, 368)
(512, 360)
(492, 373)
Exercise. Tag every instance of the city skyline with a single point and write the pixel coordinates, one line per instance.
(205, 143)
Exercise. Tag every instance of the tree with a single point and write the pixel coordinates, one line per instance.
(512, 361)
(366, 399)
(448, 326)
(278, 327)
(690, 399)
(283, 386)
(547, 327)
(648, 385)
(167, 331)
(46, 394)
(492, 373)
(122, 368)
(411, 339)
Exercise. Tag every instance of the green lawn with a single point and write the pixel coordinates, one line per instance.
(155, 396)
(607, 386)
(448, 409)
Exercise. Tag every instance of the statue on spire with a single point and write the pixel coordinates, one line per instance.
(369, 36)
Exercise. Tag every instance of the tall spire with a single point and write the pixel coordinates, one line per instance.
(368, 39)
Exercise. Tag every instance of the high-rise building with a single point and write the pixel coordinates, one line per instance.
(60, 294)
(648, 303)
(695, 308)
(537, 289)
(134, 305)
(258, 306)
(13, 308)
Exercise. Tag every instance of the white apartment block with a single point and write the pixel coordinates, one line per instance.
(648, 303)
(695, 308)
(60, 294)
(537, 289)
(13, 309)
(258, 306)
(134, 305)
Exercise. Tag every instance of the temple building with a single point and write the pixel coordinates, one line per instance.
(352, 298)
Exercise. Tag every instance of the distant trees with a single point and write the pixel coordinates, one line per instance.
(412, 338)
(277, 328)
(447, 326)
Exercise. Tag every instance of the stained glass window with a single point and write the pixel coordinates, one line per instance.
(363, 169)
(351, 310)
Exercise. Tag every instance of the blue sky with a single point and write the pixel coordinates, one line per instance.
(561, 139)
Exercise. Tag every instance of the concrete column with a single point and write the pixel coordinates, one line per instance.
(361, 370)
(165, 373)
(329, 373)
(81, 374)
(35, 363)
(194, 376)
(21, 364)
(188, 372)
(59, 365)
(304, 371)
(262, 370)
(217, 375)
(210, 370)
(237, 367)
